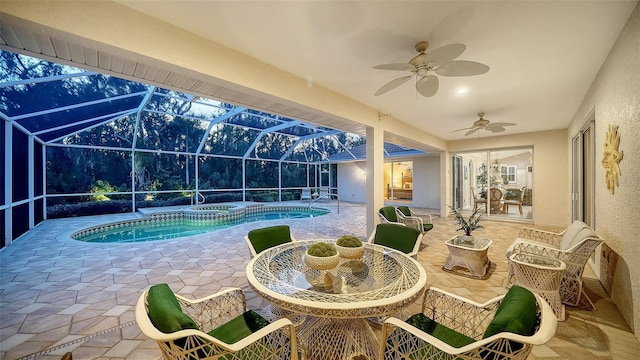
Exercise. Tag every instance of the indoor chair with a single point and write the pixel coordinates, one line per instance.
(573, 246)
(451, 327)
(406, 215)
(477, 200)
(215, 327)
(495, 200)
(517, 201)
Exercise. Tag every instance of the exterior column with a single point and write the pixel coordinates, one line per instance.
(375, 181)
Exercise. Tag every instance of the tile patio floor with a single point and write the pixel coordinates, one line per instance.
(59, 295)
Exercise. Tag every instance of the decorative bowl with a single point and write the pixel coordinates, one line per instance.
(322, 262)
(350, 252)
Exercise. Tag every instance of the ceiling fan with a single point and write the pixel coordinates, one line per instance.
(439, 60)
(485, 124)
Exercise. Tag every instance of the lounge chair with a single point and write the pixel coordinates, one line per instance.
(573, 246)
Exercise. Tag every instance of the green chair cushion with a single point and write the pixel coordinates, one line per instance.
(517, 313)
(404, 210)
(165, 312)
(402, 238)
(440, 332)
(427, 227)
(389, 213)
(268, 237)
(239, 327)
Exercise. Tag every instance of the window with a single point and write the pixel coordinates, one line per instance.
(511, 174)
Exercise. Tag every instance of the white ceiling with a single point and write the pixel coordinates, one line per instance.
(543, 55)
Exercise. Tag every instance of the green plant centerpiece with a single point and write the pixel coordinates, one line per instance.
(322, 256)
(350, 247)
(468, 225)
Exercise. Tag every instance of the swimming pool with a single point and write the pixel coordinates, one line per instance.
(188, 222)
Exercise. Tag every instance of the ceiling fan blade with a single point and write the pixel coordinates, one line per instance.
(393, 84)
(397, 67)
(495, 129)
(469, 128)
(462, 68)
(471, 131)
(427, 86)
(501, 124)
(444, 54)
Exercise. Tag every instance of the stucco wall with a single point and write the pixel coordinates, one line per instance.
(551, 191)
(614, 99)
(352, 181)
(426, 182)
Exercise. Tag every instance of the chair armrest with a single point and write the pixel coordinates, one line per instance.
(426, 218)
(214, 310)
(277, 330)
(471, 318)
(542, 236)
(411, 221)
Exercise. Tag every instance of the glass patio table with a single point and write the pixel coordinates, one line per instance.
(339, 300)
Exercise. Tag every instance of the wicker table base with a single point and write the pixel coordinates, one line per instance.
(540, 275)
(468, 258)
(339, 339)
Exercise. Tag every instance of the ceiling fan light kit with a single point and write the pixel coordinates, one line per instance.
(441, 61)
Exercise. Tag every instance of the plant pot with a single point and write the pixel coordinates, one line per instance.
(350, 252)
(322, 262)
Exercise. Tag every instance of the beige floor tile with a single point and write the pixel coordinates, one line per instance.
(45, 275)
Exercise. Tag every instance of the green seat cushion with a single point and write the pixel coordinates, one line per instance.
(517, 314)
(427, 227)
(268, 237)
(404, 210)
(165, 312)
(239, 327)
(389, 213)
(402, 238)
(440, 332)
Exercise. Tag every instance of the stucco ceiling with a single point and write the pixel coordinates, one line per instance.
(543, 55)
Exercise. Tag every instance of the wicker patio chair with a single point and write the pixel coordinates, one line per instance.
(389, 215)
(406, 215)
(262, 239)
(215, 327)
(573, 246)
(398, 237)
(452, 327)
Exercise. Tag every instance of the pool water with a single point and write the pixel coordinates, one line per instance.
(171, 229)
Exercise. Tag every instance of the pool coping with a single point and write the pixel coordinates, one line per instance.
(220, 212)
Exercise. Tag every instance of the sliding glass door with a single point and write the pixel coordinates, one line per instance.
(499, 181)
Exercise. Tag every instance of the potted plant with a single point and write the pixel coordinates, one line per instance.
(468, 225)
(350, 247)
(322, 256)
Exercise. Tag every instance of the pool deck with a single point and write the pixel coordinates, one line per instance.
(59, 294)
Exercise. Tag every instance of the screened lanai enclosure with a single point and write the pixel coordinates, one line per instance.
(77, 142)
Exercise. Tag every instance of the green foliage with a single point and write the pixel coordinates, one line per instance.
(100, 187)
(322, 249)
(349, 241)
(473, 223)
